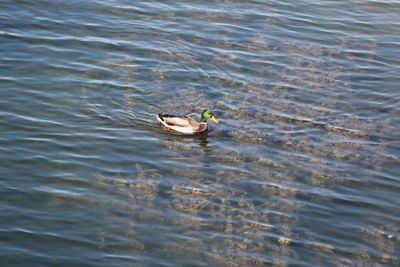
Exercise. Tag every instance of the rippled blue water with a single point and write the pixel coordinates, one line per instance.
(303, 169)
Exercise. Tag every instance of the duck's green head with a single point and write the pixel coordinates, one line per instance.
(208, 114)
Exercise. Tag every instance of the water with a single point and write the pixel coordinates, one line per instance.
(303, 169)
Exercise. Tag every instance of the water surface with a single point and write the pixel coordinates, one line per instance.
(303, 169)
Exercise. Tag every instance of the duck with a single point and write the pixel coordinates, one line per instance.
(185, 124)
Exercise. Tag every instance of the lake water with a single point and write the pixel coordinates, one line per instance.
(303, 169)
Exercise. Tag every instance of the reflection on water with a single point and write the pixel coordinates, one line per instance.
(200, 138)
(302, 170)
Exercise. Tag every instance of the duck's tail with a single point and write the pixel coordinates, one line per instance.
(160, 118)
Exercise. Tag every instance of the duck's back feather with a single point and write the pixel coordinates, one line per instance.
(180, 121)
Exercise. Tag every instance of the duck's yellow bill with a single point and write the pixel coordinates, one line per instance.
(214, 119)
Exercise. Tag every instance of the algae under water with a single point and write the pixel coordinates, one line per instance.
(303, 169)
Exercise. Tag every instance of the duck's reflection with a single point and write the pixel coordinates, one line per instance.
(201, 138)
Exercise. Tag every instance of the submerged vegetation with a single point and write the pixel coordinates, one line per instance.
(249, 209)
(289, 138)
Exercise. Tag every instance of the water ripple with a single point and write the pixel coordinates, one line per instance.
(302, 169)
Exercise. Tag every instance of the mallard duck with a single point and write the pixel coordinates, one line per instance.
(187, 125)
